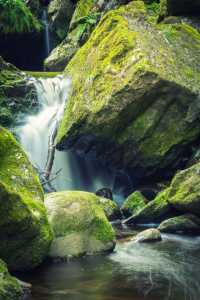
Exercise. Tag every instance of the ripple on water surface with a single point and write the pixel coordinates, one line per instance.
(165, 270)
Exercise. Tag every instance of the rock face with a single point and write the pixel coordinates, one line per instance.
(17, 97)
(9, 287)
(59, 14)
(193, 21)
(25, 233)
(177, 7)
(134, 100)
(133, 204)
(79, 224)
(185, 223)
(183, 192)
(110, 209)
(61, 55)
(148, 236)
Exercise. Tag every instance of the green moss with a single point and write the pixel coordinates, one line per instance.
(43, 74)
(133, 203)
(23, 215)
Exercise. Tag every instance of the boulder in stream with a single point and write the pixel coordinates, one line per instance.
(135, 94)
(110, 209)
(133, 204)
(185, 223)
(25, 233)
(148, 236)
(9, 286)
(79, 224)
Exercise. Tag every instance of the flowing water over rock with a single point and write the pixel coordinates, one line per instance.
(166, 270)
(84, 174)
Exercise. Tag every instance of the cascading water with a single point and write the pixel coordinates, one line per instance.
(47, 35)
(84, 174)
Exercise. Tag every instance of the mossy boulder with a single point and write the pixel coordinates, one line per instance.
(148, 236)
(134, 101)
(17, 97)
(133, 204)
(62, 54)
(25, 233)
(183, 192)
(79, 224)
(185, 223)
(9, 287)
(59, 13)
(177, 7)
(193, 21)
(110, 209)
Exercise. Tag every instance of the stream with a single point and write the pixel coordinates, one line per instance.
(164, 270)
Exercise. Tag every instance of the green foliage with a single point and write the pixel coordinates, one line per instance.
(152, 10)
(84, 7)
(154, 6)
(15, 17)
(88, 20)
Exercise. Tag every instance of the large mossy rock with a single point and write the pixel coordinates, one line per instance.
(183, 192)
(177, 7)
(62, 54)
(59, 14)
(9, 287)
(184, 223)
(25, 233)
(110, 209)
(134, 101)
(79, 224)
(133, 204)
(17, 97)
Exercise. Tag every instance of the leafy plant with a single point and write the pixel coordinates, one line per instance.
(154, 6)
(86, 26)
(15, 16)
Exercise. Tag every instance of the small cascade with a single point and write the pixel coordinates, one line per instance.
(47, 35)
(84, 174)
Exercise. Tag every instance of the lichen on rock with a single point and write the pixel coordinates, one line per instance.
(133, 204)
(79, 224)
(134, 99)
(110, 209)
(25, 233)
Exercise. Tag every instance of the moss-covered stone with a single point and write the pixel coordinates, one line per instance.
(59, 14)
(184, 223)
(193, 21)
(110, 209)
(25, 233)
(183, 193)
(133, 204)
(148, 236)
(17, 96)
(62, 54)
(194, 159)
(134, 100)
(9, 287)
(79, 224)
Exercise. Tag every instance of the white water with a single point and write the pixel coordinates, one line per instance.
(47, 35)
(84, 174)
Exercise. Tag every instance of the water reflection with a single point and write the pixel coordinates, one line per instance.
(165, 270)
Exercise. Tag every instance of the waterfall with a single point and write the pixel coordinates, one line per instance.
(84, 174)
(47, 35)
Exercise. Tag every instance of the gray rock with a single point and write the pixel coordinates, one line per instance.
(148, 236)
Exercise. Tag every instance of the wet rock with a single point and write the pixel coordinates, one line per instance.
(133, 204)
(34, 6)
(79, 224)
(17, 97)
(26, 287)
(148, 236)
(25, 233)
(62, 54)
(183, 192)
(110, 209)
(177, 7)
(134, 109)
(59, 14)
(185, 223)
(105, 193)
(155, 211)
(9, 287)
(195, 158)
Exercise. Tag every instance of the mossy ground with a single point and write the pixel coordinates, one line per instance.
(23, 215)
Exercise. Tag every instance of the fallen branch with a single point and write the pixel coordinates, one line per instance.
(50, 180)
